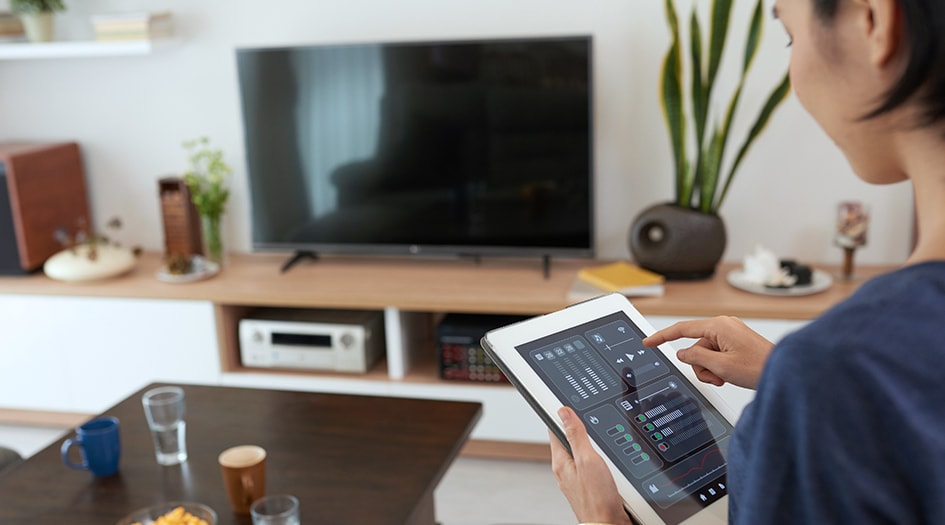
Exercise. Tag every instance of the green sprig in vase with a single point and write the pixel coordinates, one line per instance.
(206, 179)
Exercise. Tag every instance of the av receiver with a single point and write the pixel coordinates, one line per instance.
(328, 340)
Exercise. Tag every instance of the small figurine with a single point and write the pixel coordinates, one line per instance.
(853, 219)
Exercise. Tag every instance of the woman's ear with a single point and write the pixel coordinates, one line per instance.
(883, 28)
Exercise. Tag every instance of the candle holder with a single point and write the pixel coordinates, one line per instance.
(853, 219)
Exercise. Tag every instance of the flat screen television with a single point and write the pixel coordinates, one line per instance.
(475, 147)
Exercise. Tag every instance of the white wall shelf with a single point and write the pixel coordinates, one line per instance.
(74, 49)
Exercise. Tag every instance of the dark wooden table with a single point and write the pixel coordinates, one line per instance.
(349, 459)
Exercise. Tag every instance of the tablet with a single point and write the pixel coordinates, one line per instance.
(663, 434)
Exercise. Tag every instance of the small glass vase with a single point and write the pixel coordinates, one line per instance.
(212, 238)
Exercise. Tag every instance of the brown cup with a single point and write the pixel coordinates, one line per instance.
(244, 475)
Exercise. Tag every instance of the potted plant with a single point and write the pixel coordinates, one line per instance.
(37, 17)
(686, 238)
(207, 181)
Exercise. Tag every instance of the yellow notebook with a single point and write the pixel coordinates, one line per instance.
(623, 277)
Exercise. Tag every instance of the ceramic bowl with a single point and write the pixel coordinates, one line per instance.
(149, 515)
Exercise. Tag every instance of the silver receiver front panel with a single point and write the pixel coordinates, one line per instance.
(327, 340)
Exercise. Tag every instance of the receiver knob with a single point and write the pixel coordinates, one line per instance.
(347, 340)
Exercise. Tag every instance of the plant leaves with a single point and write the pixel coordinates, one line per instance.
(721, 15)
(754, 37)
(699, 102)
(709, 190)
(206, 177)
(774, 100)
(671, 91)
(710, 171)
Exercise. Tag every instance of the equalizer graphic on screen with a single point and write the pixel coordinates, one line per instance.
(577, 373)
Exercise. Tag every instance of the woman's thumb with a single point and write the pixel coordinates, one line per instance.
(573, 427)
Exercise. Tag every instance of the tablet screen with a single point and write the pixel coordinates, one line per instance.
(662, 434)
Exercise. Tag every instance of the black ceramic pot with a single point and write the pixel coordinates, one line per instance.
(679, 243)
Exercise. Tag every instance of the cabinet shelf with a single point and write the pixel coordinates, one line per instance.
(413, 293)
(74, 49)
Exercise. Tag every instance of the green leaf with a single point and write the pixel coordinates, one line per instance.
(671, 91)
(673, 19)
(774, 100)
(721, 15)
(726, 128)
(718, 33)
(699, 102)
(710, 171)
(754, 37)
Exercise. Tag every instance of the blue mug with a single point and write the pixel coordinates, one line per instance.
(98, 444)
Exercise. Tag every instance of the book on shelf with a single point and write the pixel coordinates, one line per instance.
(139, 25)
(620, 276)
(11, 29)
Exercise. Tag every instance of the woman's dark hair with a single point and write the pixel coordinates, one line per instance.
(924, 75)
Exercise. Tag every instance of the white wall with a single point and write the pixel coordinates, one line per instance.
(130, 114)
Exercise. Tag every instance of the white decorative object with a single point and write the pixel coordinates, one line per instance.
(74, 264)
(764, 268)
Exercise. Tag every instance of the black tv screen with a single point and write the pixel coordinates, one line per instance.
(457, 147)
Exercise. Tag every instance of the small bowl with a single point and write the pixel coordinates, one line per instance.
(149, 515)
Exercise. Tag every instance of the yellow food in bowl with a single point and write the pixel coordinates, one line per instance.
(178, 516)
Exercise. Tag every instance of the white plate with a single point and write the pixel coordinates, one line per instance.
(200, 269)
(820, 281)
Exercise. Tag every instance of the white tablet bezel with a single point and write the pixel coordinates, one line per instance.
(501, 344)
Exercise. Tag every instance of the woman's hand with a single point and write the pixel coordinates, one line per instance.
(726, 350)
(584, 479)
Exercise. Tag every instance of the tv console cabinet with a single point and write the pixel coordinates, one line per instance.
(71, 349)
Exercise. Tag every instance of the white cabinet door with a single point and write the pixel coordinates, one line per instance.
(32, 370)
(85, 354)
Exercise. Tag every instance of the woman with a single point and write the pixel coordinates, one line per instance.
(848, 422)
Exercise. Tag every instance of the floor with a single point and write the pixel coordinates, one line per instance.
(473, 492)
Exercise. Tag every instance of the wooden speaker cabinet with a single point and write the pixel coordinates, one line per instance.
(181, 220)
(42, 192)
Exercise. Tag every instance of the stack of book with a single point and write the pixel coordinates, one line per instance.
(131, 26)
(621, 276)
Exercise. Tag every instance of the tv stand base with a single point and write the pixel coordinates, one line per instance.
(296, 257)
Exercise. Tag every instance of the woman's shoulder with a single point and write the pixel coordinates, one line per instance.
(909, 284)
(895, 316)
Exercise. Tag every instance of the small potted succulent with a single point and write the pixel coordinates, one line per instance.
(37, 17)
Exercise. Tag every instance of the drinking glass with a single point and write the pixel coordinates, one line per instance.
(281, 509)
(164, 408)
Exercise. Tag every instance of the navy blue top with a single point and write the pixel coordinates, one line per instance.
(848, 424)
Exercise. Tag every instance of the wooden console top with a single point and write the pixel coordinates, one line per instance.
(494, 285)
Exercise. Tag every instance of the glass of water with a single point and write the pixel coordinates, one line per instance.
(280, 509)
(164, 408)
